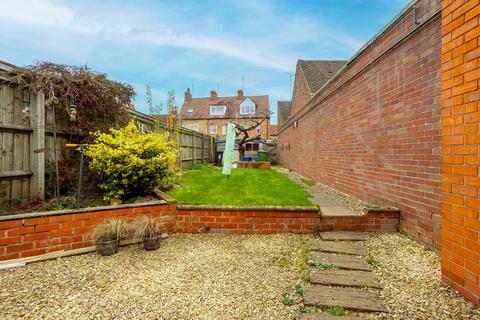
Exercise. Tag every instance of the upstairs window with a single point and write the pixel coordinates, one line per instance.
(247, 107)
(213, 129)
(190, 110)
(224, 130)
(218, 110)
(195, 127)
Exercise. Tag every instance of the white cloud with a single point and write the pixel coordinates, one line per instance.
(265, 39)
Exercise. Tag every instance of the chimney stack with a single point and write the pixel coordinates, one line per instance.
(213, 95)
(240, 94)
(188, 95)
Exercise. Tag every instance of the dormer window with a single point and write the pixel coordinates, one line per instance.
(218, 110)
(247, 107)
(190, 110)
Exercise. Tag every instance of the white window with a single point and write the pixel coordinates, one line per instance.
(224, 130)
(186, 126)
(190, 110)
(218, 110)
(247, 107)
(257, 130)
(195, 126)
(213, 129)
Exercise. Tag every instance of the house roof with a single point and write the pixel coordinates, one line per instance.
(201, 107)
(318, 72)
(283, 111)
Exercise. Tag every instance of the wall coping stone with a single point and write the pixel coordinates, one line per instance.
(246, 208)
(80, 210)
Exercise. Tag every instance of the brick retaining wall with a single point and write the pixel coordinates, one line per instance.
(257, 220)
(32, 234)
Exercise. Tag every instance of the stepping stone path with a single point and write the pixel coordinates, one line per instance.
(350, 284)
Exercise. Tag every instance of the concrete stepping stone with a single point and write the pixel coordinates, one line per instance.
(339, 247)
(345, 278)
(340, 261)
(317, 316)
(344, 235)
(348, 298)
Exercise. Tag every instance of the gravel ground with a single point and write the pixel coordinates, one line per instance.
(189, 277)
(412, 282)
(218, 277)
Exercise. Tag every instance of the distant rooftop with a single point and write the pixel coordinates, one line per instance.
(318, 72)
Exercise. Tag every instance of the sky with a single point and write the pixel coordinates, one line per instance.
(204, 45)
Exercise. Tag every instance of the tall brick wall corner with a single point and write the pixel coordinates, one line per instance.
(460, 119)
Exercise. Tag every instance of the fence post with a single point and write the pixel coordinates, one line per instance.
(37, 146)
(194, 137)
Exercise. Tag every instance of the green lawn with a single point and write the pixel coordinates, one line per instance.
(246, 187)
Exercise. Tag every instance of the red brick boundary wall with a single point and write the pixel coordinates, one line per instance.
(26, 235)
(460, 180)
(373, 131)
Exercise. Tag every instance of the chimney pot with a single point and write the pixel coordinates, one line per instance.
(240, 94)
(213, 95)
(188, 95)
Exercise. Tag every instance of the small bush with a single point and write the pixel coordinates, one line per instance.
(130, 163)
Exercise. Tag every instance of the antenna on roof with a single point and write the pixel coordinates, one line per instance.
(243, 83)
(193, 86)
(218, 86)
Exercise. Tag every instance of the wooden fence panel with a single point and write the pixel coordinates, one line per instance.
(15, 134)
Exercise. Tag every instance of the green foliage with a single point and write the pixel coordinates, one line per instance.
(246, 187)
(324, 266)
(299, 290)
(318, 228)
(336, 311)
(373, 262)
(286, 299)
(130, 163)
(57, 206)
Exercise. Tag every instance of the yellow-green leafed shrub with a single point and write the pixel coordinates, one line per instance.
(130, 163)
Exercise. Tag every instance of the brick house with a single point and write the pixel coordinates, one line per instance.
(211, 115)
(310, 76)
(283, 111)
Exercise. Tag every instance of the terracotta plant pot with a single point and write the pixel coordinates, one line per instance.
(107, 248)
(152, 242)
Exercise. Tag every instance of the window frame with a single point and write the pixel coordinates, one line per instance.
(215, 107)
(213, 126)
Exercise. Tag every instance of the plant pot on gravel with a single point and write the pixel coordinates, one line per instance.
(152, 242)
(107, 236)
(149, 230)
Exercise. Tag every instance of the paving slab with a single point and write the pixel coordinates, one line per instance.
(348, 298)
(339, 247)
(317, 316)
(346, 278)
(340, 261)
(344, 235)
